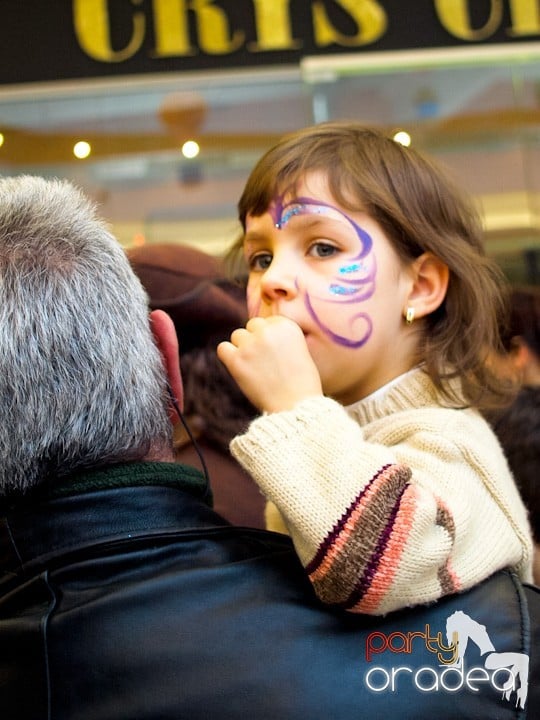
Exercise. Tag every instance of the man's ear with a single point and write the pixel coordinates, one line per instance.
(430, 277)
(165, 337)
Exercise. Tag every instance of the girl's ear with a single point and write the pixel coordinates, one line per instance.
(429, 284)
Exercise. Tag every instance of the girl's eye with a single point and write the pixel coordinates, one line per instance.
(260, 262)
(322, 250)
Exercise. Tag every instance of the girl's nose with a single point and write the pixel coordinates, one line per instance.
(279, 281)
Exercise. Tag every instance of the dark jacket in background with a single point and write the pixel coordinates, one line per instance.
(124, 597)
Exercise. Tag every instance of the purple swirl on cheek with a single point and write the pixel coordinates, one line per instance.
(354, 284)
(366, 328)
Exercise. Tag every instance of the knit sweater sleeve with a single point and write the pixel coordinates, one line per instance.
(379, 526)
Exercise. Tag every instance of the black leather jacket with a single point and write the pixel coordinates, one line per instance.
(124, 597)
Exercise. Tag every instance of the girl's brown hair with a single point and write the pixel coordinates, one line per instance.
(420, 210)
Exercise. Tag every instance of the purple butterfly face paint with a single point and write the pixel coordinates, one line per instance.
(333, 298)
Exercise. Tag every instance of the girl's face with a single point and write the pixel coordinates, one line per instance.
(338, 277)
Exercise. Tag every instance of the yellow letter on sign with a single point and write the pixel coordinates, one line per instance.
(172, 28)
(369, 16)
(213, 29)
(525, 17)
(91, 22)
(455, 17)
(274, 28)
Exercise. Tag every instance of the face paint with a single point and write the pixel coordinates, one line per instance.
(353, 282)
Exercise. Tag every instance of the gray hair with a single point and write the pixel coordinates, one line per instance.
(81, 379)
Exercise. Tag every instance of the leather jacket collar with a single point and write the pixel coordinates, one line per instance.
(104, 506)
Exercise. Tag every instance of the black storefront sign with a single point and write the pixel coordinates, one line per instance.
(44, 40)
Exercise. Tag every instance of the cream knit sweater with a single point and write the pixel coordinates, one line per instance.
(392, 502)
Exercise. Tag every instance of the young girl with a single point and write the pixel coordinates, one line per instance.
(373, 309)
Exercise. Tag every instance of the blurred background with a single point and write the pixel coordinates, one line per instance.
(166, 153)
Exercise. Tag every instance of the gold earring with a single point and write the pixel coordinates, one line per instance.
(409, 315)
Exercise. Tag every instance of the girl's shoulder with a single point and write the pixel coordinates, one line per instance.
(454, 432)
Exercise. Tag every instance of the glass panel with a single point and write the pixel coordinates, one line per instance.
(482, 122)
(146, 187)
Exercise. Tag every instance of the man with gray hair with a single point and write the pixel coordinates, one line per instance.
(123, 596)
(81, 381)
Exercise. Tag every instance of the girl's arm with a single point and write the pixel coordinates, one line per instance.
(383, 526)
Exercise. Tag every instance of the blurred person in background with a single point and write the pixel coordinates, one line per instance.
(205, 307)
(518, 426)
(521, 336)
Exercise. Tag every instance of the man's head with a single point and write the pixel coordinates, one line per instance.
(81, 380)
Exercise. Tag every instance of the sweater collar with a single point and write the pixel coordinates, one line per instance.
(413, 389)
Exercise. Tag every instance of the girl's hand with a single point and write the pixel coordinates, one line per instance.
(270, 361)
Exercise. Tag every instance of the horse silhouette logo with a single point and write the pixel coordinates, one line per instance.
(461, 628)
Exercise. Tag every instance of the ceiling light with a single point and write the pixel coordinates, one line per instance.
(82, 149)
(190, 149)
(402, 137)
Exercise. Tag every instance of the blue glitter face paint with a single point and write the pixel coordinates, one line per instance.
(342, 290)
(346, 269)
(353, 282)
